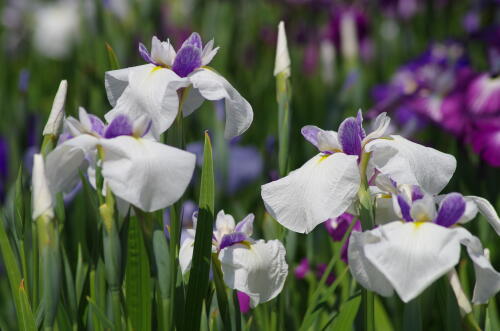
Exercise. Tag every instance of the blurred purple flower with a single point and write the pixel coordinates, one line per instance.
(400, 8)
(302, 269)
(361, 20)
(4, 167)
(483, 95)
(320, 270)
(189, 207)
(337, 227)
(484, 136)
(24, 77)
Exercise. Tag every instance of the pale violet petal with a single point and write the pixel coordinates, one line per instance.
(487, 278)
(41, 197)
(212, 86)
(413, 255)
(116, 81)
(487, 210)
(246, 225)
(361, 268)
(147, 174)
(148, 94)
(324, 187)
(409, 163)
(157, 52)
(258, 269)
(423, 210)
(208, 53)
(63, 164)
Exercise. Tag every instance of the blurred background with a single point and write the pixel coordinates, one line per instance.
(434, 66)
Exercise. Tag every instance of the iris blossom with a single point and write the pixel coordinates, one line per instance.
(137, 169)
(327, 185)
(152, 89)
(421, 244)
(254, 267)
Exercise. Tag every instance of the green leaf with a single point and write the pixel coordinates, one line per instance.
(19, 205)
(347, 313)
(283, 96)
(24, 316)
(220, 289)
(161, 253)
(99, 315)
(138, 281)
(412, 316)
(198, 279)
(382, 320)
(492, 321)
(113, 60)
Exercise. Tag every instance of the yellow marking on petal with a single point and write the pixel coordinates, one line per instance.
(418, 224)
(323, 157)
(245, 243)
(156, 69)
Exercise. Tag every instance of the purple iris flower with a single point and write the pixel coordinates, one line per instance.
(4, 167)
(337, 228)
(243, 301)
(320, 270)
(484, 136)
(189, 208)
(302, 269)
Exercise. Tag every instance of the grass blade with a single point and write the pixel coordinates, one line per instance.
(198, 279)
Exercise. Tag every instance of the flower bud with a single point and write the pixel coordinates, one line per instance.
(41, 197)
(282, 62)
(57, 112)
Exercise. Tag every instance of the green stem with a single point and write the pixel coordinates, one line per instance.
(116, 306)
(368, 310)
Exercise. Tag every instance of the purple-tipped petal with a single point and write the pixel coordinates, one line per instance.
(119, 126)
(145, 54)
(310, 133)
(193, 40)
(450, 210)
(97, 125)
(302, 269)
(246, 225)
(187, 60)
(405, 208)
(243, 301)
(231, 239)
(350, 136)
(416, 193)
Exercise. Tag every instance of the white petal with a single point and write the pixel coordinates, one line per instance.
(57, 112)
(158, 53)
(423, 210)
(410, 163)
(361, 268)
(487, 210)
(41, 196)
(413, 255)
(116, 81)
(384, 210)
(192, 102)
(208, 53)
(186, 250)
(246, 225)
(258, 270)
(381, 124)
(64, 162)
(328, 141)
(145, 173)
(324, 187)
(148, 94)
(487, 278)
(224, 223)
(212, 86)
(282, 61)
(169, 52)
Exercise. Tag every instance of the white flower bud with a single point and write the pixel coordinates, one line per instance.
(41, 196)
(57, 112)
(348, 36)
(282, 62)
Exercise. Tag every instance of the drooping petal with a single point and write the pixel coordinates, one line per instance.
(64, 162)
(148, 94)
(259, 269)
(410, 163)
(147, 174)
(487, 278)
(186, 250)
(324, 187)
(116, 81)
(451, 209)
(246, 225)
(487, 210)
(361, 268)
(413, 255)
(212, 86)
(192, 101)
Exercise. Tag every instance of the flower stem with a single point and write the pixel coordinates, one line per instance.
(368, 310)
